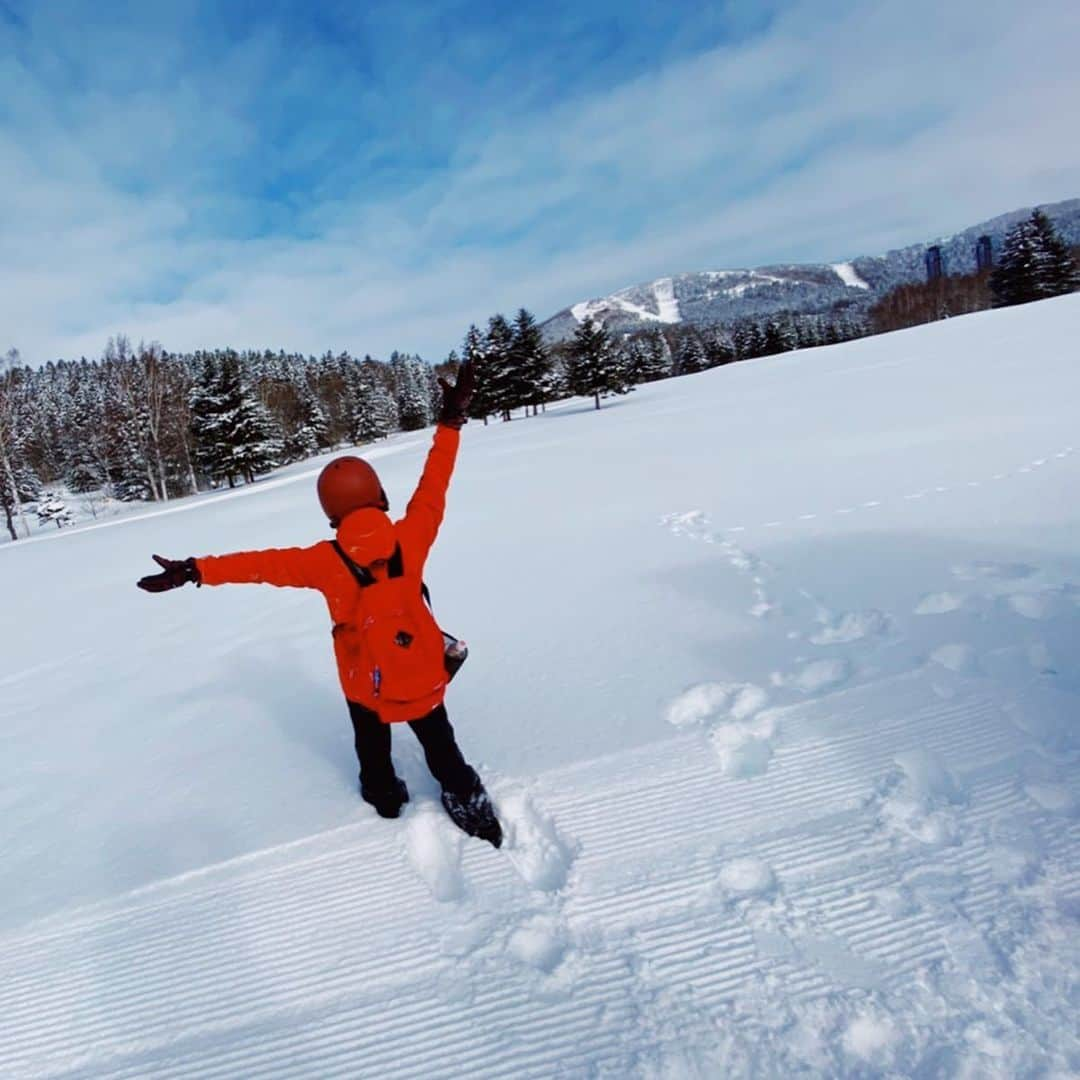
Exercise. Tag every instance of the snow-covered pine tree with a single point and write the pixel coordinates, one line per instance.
(594, 366)
(411, 391)
(779, 335)
(1034, 264)
(133, 393)
(658, 360)
(474, 350)
(504, 385)
(747, 339)
(246, 427)
(129, 477)
(1055, 269)
(311, 432)
(718, 346)
(632, 357)
(809, 331)
(85, 461)
(205, 403)
(369, 420)
(691, 354)
(530, 360)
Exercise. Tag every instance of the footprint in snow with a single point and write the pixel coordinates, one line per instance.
(1036, 606)
(434, 848)
(1016, 851)
(741, 739)
(918, 799)
(939, 603)
(816, 676)
(541, 942)
(707, 701)
(1054, 798)
(872, 1039)
(745, 877)
(958, 657)
(540, 853)
(850, 626)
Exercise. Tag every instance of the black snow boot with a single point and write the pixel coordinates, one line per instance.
(473, 813)
(387, 801)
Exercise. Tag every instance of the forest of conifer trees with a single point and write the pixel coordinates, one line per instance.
(142, 423)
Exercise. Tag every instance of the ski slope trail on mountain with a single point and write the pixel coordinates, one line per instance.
(774, 685)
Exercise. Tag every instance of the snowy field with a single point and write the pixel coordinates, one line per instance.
(775, 678)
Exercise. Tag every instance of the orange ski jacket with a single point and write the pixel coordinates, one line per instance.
(320, 567)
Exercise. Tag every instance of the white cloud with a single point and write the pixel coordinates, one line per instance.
(880, 125)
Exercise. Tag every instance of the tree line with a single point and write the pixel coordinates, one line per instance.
(141, 423)
(144, 423)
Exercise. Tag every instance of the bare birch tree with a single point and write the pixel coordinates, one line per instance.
(9, 433)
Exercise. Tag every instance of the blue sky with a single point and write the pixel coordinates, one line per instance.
(374, 176)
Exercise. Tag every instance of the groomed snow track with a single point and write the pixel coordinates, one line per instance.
(602, 940)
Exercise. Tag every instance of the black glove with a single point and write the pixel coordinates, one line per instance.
(456, 398)
(175, 572)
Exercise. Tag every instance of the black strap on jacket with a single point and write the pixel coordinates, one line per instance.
(395, 567)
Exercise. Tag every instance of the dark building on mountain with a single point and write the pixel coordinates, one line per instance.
(984, 253)
(935, 265)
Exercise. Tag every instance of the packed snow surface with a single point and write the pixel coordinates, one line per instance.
(666, 302)
(849, 275)
(774, 679)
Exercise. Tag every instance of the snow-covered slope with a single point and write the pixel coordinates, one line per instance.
(774, 678)
(721, 296)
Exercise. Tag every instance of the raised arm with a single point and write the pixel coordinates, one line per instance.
(424, 514)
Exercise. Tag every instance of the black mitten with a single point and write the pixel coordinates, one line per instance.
(456, 398)
(175, 572)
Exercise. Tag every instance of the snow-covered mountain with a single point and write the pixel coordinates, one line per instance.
(774, 679)
(717, 296)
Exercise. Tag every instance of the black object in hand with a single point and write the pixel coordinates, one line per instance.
(456, 398)
(175, 572)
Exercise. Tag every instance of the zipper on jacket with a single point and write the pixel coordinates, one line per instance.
(376, 680)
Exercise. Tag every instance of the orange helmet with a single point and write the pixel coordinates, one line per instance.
(347, 484)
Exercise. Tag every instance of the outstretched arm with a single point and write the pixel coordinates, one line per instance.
(275, 566)
(284, 567)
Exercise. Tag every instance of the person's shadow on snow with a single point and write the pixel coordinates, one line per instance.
(310, 712)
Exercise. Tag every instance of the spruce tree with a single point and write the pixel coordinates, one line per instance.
(373, 417)
(311, 432)
(474, 351)
(256, 446)
(504, 385)
(1055, 269)
(205, 402)
(691, 355)
(594, 366)
(411, 390)
(1034, 264)
(529, 359)
(658, 358)
(718, 346)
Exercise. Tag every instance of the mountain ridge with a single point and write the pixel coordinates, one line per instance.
(707, 297)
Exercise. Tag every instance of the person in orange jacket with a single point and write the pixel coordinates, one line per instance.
(392, 658)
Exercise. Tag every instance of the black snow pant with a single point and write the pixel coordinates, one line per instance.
(436, 736)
